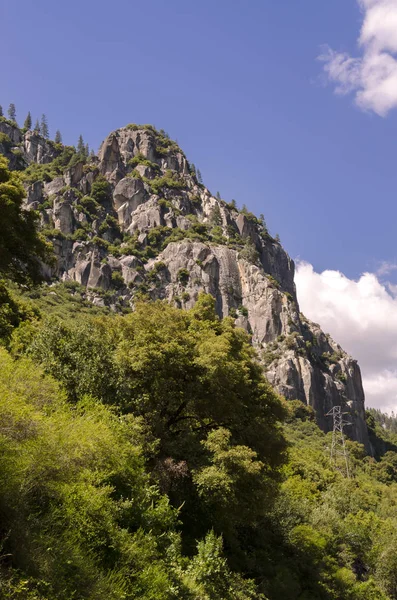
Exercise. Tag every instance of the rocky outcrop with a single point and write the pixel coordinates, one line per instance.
(25, 148)
(136, 220)
(299, 360)
(37, 149)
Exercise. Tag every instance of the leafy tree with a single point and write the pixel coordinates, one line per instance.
(212, 575)
(12, 113)
(44, 127)
(79, 357)
(13, 312)
(28, 121)
(58, 137)
(234, 485)
(80, 473)
(21, 247)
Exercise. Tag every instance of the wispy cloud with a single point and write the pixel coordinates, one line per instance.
(372, 76)
(361, 316)
(385, 268)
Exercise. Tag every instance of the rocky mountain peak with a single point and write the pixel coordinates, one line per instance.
(135, 219)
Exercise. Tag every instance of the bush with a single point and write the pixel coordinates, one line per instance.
(5, 141)
(117, 280)
(249, 252)
(101, 192)
(90, 205)
(183, 276)
(169, 181)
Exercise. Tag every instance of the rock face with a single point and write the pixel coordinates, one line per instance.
(136, 220)
(23, 149)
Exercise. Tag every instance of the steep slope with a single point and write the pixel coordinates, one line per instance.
(135, 219)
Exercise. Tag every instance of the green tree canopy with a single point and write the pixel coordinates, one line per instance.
(21, 246)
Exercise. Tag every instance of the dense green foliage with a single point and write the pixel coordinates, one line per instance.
(21, 247)
(189, 452)
(156, 468)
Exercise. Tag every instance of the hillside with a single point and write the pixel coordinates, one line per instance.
(135, 220)
(143, 452)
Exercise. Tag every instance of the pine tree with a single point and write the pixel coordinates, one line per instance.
(44, 127)
(92, 153)
(58, 137)
(28, 121)
(199, 178)
(86, 150)
(37, 127)
(216, 216)
(12, 113)
(218, 195)
(1, 111)
(80, 145)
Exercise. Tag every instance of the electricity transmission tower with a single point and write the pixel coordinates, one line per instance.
(339, 454)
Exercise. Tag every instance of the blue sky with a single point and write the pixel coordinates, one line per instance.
(238, 84)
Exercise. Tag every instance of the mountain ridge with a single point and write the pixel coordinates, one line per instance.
(135, 220)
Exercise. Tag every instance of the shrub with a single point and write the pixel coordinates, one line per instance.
(170, 180)
(243, 310)
(183, 276)
(249, 252)
(99, 242)
(140, 159)
(159, 266)
(195, 200)
(273, 281)
(101, 191)
(117, 280)
(90, 205)
(5, 141)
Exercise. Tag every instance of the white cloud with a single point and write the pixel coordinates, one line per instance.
(386, 267)
(362, 317)
(373, 75)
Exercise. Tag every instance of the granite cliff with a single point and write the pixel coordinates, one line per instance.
(135, 219)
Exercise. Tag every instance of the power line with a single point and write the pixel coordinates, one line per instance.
(339, 454)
